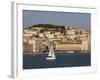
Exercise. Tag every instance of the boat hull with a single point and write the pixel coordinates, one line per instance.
(50, 58)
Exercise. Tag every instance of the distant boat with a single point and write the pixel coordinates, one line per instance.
(51, 55)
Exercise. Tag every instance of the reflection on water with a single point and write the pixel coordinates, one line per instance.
(62, 60)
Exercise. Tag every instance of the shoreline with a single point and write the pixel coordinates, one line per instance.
(56, 53)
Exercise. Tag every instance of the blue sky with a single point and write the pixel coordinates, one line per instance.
(69, 19)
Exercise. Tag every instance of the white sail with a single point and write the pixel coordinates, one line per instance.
(51, 55)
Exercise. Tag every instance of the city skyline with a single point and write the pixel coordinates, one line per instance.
(56, 39)
(69, 19)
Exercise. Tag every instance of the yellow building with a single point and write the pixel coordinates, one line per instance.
(84, 46)
(67, 46)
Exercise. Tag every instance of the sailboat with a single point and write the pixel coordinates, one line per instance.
(51, 55)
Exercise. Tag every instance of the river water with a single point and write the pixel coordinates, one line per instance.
(31, 61)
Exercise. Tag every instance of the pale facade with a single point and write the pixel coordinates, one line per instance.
(66, 46)
(50, 35)
(27, 35)
(41, 35)
(28, 31)
(37, 45)
(78, 46)
(86, 44)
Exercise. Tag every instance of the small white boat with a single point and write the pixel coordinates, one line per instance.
(51, 55)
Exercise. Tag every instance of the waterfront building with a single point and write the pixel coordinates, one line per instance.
(27, 48)
(67, 46)
(37, 44)
(33, 45)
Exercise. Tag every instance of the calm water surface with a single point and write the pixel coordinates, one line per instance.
(62, 60)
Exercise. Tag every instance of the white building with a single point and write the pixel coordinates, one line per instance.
(86, 44)
(28, 31)
(27, 35)
(41, 35)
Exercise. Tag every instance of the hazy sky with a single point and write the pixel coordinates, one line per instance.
(82, 20)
